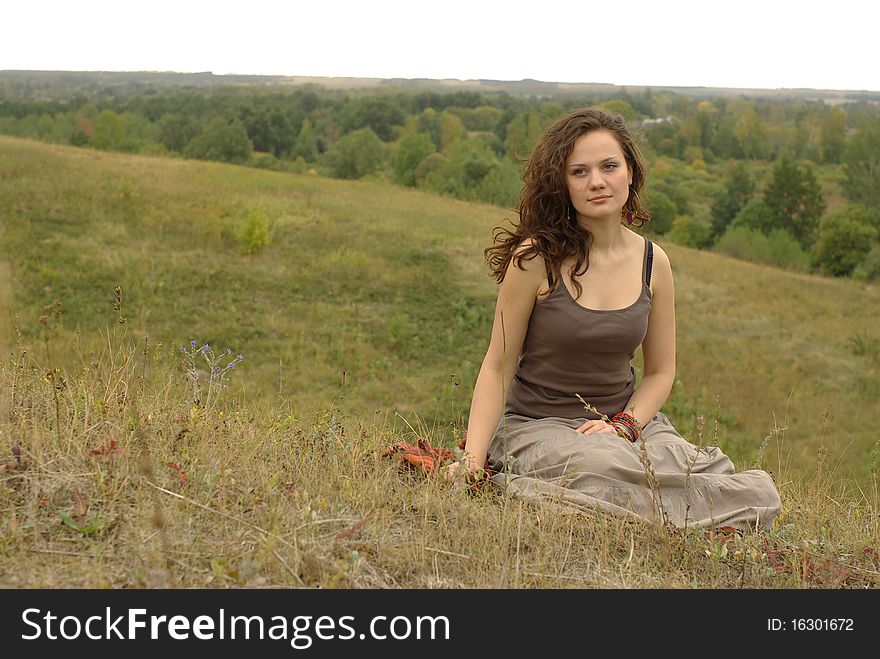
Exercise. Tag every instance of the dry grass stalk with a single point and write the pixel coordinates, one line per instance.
(248, 495)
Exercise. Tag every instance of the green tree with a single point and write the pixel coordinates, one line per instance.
(756, 215)
(724, 141)
(268, 129)
(665, 139)
(522, 134)
(108, 131)
(119, 132)
(516, 141)
(751, 134)
(690, 232)
(483, 118)
(804, 140)
(861, 163)
(428, 168)
(450, 128)
(427, 122)
(861, 214)
(501, 184)
(869, 268)
(777, 248)
(698, 130)
(356, 155)
(621, 107)
(326, 128)
(222, 140)
(663, 211)
(795, 197)
(306, 146)
(845, 238)
(739, 189)
(283, 133)
(471, 171)
(378, 113)
(833, 134)
(177, 130)
(82, 132)
(411, 150)
(256, 123)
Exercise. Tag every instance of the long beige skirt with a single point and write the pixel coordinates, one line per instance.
(545, 459)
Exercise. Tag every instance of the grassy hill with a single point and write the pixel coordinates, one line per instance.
(374, 300)
(111, 477)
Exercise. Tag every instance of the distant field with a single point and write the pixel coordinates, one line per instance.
(374, 300)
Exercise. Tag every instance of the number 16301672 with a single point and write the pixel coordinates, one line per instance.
(810, 625)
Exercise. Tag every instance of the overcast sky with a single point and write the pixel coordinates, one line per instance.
(735, 43)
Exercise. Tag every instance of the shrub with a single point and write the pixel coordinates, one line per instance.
(778, 249)
(663, 211)
(223, 141)
(356, 155)
(254, 234)
(471, 171)
(690, 231)
(795, 197)
(433, 163)
(739, 190)
(268, 161)
(845, 237)
(756, 215)
(621, 107)
(869, 268)
(411, 151)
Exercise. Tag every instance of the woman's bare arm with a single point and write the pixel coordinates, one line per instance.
(658, 348)
(516, 299)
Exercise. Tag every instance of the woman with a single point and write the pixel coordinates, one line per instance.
(579, 293)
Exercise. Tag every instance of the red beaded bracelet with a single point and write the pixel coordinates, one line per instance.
(627, 423)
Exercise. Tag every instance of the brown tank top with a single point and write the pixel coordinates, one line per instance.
(570, 350)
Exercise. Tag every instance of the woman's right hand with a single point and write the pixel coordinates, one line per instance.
(595, 425)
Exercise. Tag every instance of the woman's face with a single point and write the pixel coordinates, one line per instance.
(597, 176)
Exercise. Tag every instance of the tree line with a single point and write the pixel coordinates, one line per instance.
(750, 177)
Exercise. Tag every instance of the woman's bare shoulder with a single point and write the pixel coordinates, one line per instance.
(661, 258)
(531, 263)
(524, 276)
(661, 279)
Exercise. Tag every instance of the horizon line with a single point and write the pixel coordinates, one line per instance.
(446, 79)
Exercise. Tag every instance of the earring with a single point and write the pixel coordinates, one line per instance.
(629, 218)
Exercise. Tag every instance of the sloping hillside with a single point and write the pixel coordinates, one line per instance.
(374, 299)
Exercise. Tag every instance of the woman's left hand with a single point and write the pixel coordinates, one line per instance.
(594, 426)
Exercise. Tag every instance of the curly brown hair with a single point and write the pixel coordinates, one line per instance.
(546, 215)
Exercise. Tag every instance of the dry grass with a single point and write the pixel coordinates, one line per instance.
(5, 305)
(387, 285)
(120, 481)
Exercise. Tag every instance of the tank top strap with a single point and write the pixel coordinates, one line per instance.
(647, 265)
